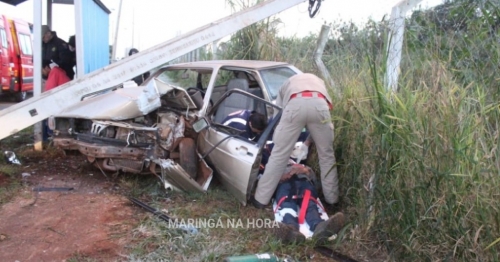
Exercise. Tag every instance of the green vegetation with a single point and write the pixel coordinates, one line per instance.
(431, 150)
(9, 173)
(419, 168)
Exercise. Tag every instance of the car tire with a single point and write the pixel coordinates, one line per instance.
(20, 96)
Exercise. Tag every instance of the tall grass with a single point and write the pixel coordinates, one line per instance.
(431, 150)
(434, 155)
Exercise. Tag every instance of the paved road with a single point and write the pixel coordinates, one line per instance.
(4, 105)
(5, 102)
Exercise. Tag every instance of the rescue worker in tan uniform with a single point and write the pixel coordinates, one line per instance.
(306, 103)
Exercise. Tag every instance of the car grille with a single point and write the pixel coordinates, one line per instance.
(97, 128)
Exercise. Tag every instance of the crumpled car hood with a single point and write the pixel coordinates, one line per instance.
(121, 104)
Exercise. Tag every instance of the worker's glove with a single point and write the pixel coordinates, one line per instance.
(302, 153)
(52, 65)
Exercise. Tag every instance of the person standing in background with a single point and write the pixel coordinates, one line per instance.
(140, 78)
(56, 50)
(55, 76)
(72, 49)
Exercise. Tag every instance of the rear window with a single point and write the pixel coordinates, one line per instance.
(25, 43)
(3, 35)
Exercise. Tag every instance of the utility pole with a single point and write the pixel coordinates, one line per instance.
(24, 114)
(37, 62)
(113, 55)
(133, 26)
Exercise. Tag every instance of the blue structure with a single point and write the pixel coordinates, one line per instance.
(94, 35)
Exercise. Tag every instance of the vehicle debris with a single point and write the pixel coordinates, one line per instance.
(11, 158)
(270, 257)
(162, 216)
(58, 189)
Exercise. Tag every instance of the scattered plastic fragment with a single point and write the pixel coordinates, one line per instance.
(11, 158)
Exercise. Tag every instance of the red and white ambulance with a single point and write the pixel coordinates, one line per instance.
(16, 57)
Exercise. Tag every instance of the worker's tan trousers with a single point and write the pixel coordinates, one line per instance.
(300, 112)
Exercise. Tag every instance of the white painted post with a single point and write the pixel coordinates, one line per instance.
(21, 115)
(37, 63)
(214, 49)
(115, 41)
(396, 38)
(318, 53)
(80, 53)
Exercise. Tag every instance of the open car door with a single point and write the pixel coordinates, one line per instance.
(235, 159)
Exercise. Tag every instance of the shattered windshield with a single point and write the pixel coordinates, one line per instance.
(274, 78)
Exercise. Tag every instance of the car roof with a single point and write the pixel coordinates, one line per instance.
(251, 64)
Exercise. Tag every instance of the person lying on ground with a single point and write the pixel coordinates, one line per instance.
(298, 204)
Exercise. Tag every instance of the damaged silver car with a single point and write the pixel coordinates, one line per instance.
(171, 125)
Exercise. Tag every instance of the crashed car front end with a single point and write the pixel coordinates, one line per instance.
(142, 130)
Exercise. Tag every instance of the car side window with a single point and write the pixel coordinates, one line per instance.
(231, 116)
(3, 35)
(25, 44)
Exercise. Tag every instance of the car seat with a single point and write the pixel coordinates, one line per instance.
(234, 102)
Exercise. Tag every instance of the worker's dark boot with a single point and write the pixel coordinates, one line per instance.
(288, 234)
(256, 203)
(327, 228)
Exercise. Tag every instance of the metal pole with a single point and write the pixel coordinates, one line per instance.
(133, 26)
(80, 52)
(37, 63)
(113, 55)
(24, 114)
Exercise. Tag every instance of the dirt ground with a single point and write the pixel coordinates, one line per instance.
(90, 218)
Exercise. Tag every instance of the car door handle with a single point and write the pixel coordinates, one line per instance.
(243, 151)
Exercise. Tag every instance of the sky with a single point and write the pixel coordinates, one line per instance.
(145, 23)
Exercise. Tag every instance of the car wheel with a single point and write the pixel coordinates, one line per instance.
(20, 96)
